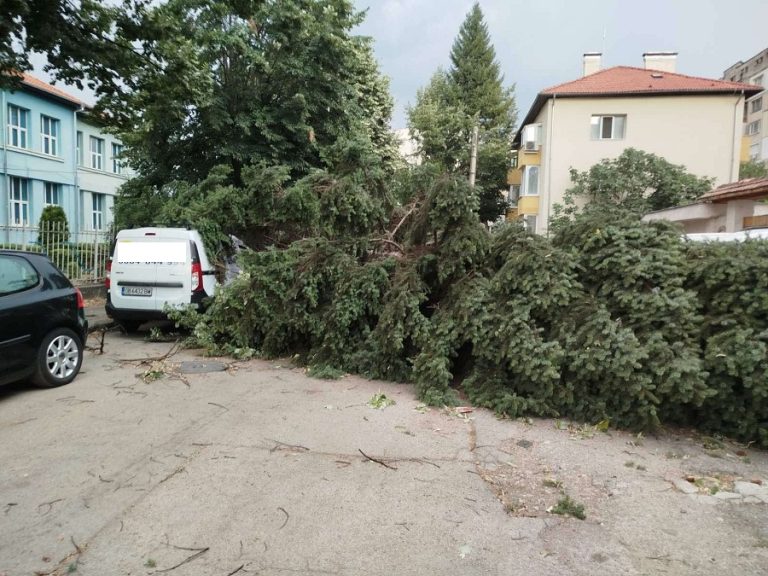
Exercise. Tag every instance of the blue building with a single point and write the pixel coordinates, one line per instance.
(50, 146)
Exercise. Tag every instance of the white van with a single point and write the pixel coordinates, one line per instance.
(154, 267)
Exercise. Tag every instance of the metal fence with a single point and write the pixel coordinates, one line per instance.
(82, 256)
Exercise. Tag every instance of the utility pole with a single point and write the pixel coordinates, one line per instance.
(473, 158)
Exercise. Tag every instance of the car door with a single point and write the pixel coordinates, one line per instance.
(134, 274)
(19, 299)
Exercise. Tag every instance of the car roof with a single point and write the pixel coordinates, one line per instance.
(11, 252)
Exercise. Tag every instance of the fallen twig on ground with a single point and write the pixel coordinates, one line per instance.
(236, 570)
(279, 444)
(382, 463)
(199, 552)
(287, 516)
(49, 504)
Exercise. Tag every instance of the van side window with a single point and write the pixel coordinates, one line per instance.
(16, 274)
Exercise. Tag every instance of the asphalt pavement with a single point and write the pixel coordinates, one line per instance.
(159, 460)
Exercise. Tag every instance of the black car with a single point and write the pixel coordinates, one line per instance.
(42, 321)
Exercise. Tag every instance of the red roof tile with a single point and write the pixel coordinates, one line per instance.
(751, 188)
(37, 84)
(630, 80)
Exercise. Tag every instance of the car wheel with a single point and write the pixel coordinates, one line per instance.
(130, 326)
(58, 359)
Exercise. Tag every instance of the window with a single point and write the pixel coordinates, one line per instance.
(18, 126)
(513, 194)
(97, 153)
(531, 181)
(758, 80)
(97, 213)
(754, 151)
(532, 137)
(753, 128)
(49, 135)
(756, 105)
(80, 149)
(608, 127)
(19, 201)
(16, 274)
(52, 193)
(117, 165)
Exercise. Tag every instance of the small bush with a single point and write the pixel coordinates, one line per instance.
(568, 507)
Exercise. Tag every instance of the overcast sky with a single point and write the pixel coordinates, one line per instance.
(540, 43)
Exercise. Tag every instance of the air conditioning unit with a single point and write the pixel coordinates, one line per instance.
(530, 146)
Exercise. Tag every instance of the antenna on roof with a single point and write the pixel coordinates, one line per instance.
(605, 32)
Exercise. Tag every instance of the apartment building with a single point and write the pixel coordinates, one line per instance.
(696, 122)
(54, 151)
(754, 71)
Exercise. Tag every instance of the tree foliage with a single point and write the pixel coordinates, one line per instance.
(613, 319)
(471, 93)
(273, 94)
(637, 182)
(753, 169)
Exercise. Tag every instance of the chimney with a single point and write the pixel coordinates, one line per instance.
(662, 61)
(592, 62)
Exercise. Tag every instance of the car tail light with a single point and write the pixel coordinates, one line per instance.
(108, 275)
(197, 277)
(80, 301)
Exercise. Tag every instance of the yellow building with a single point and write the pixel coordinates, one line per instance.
(695, 122)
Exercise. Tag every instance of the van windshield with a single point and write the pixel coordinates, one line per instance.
(130, 251)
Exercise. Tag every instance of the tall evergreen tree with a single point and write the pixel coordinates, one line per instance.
(471, 93)
(477, 78)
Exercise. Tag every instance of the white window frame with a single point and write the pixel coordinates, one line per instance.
(49, 135)
(20, 130)
(97, 156)
(18, 198)
(80, 146)
(757, 80)
(753, 128)
(597, 126)
(528, 177)
(117, 165)
(754, 151)
(531, 139)
(756, 105)
(52, 193)
(97, 210)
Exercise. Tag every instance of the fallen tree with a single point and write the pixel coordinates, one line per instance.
(614, 319)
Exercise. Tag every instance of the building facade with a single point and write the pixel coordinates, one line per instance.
(754, 71)
(695, 122)
(53, 152)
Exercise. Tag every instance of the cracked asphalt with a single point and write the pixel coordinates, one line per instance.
(136, 469)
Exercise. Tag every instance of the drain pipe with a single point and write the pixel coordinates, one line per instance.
(737, 139)
(76, 164)
(4, 188)
(549, 161)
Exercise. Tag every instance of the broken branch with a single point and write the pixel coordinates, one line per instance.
(200, 552)
(380, 462)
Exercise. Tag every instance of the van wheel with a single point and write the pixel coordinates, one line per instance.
(130, 326)
(58, 359)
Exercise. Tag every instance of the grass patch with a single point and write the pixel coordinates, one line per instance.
(569, 507)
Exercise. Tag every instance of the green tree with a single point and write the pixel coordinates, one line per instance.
(637, 182)
(753, 169)
(471, 93)
(440, 123)
(477, 79)
(253, 85)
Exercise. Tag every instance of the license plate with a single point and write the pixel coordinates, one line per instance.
(136, 291)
